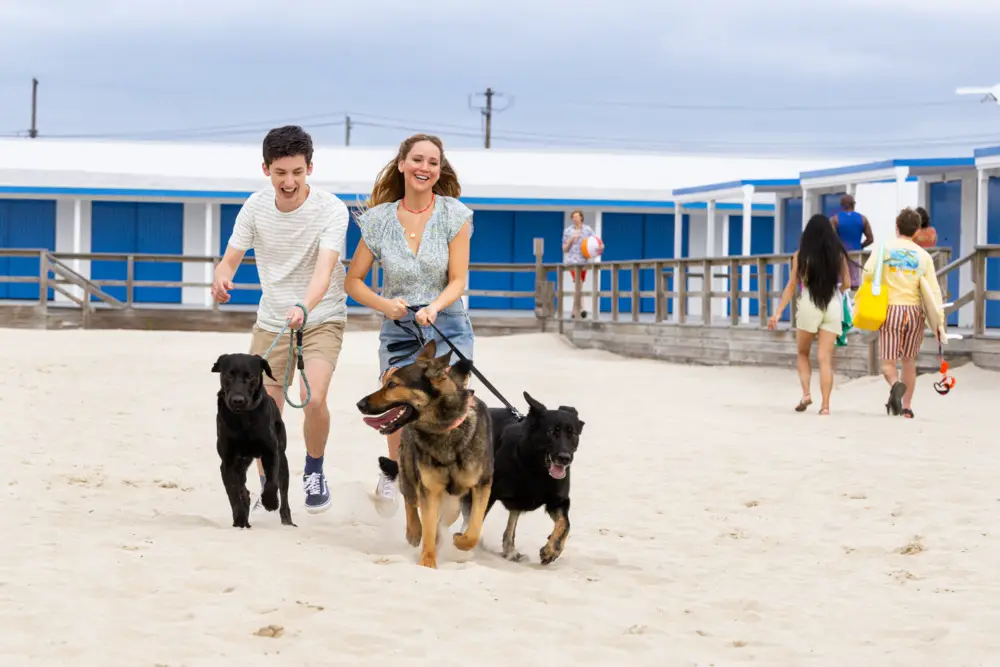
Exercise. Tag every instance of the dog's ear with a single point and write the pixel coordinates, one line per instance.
(429, 350)
(217, 366)
(438, 366)
(460, 371)
(568, 408)
(533, 405)
(265, 367)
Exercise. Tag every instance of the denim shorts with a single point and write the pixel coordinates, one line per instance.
(453, 322)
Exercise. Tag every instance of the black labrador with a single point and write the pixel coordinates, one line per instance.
(249, 426)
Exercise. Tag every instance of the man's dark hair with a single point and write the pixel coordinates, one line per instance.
(908, 222)
(925, 217)
(287, 141)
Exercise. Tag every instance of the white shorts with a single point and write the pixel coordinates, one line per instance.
(810, 318)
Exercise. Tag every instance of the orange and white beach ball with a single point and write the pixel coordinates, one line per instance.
(592, 247)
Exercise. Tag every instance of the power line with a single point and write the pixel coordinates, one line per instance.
(811, 108)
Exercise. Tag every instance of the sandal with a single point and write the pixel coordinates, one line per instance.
(895, 404)
(804, 403)
(906, 412)
(824, 411)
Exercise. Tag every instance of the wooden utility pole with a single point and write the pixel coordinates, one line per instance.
(487, 113)
(347, 131)
(33, 132)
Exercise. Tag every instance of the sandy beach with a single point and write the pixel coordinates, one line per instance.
(711, 524)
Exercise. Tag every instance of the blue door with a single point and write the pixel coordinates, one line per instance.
(25, 223)
(945, 209)
(112, 229)
(622, 234)
(790, 243)
(246, 273)
(159, 229)
(529, 225)
(657, 243)
(761, 243)
(492, 242)
(830, 204)
(132, 228)
(993, 237)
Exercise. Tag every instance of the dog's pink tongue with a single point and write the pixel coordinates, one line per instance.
(557, 471)
(383, 419)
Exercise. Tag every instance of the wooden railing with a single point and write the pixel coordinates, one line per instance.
(678, 293)
(732, 282)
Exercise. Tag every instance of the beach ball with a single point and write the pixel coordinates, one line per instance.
(592, 247)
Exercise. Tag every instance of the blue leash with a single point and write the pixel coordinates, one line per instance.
(294, 346)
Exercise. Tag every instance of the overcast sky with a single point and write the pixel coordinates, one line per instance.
(866, 77)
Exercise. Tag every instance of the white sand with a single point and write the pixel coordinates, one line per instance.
(711, 525)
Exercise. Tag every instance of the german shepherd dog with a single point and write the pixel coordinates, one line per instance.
(533, 457)
(446, 449)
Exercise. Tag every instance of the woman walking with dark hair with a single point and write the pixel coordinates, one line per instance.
(419, 231)
(820, 268)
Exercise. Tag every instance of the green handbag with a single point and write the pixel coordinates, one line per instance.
(847, 321)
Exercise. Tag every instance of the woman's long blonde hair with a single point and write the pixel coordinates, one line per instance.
(390, 185)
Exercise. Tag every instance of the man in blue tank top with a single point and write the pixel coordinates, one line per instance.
(851, 226)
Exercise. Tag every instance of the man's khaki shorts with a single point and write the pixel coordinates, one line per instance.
(321, 341)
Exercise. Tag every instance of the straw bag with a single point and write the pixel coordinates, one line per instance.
(872, 302)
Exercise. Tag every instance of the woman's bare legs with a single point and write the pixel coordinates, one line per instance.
(804, 340)
(824, 354)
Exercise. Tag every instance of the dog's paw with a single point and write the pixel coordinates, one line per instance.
(463, 542)
(269, 497)
(429, 560)
(547, 554)
(287, 521)
(413, 535)
(514, 556)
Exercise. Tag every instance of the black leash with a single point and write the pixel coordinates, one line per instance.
(419, 341)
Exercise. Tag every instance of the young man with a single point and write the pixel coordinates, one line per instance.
(902, 333)
(297, 234)
(855, 233)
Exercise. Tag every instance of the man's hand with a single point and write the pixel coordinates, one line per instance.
(295, 317)
(221, 286)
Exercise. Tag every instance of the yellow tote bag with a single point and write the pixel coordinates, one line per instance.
(872, 302)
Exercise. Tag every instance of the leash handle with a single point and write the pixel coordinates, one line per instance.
(947, 382)
(514, 411)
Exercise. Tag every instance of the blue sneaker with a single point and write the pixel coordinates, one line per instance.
(317, 492)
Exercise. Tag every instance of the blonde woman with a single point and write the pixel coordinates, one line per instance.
(419, 231)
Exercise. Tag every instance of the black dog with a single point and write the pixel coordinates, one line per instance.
(531, 468)
(249, 426)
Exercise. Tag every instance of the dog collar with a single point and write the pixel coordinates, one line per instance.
(465, 415)
(458, 422)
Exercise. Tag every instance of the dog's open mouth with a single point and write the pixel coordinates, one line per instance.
(557, 470)
(390, 420)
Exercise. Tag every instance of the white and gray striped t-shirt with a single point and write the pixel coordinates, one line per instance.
(286, 246)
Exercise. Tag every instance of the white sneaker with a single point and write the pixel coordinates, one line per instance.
(386, 496)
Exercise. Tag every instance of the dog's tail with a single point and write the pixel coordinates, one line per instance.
(388, 467)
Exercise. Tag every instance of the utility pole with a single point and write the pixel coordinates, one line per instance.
(487, 112)
(33, 132)
(347, 131)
